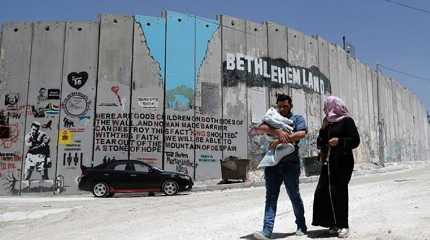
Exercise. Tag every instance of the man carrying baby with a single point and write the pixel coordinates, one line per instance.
(286, 171)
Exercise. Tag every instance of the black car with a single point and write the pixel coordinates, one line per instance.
(127, 176)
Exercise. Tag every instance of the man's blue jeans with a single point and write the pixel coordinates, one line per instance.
(287, 172)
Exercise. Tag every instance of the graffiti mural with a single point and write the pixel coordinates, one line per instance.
(114, 71)
(76, 130)
(38, 156)
(276, 73)
(147, 103)
(178, 92)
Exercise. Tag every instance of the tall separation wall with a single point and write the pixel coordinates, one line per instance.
(179, 92)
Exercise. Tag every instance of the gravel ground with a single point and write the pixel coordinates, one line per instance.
(393, 205)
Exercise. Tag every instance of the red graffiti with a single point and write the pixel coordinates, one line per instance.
(10, 157)
(16, 111)
(115, 90)
(199, 133)
(7, 166)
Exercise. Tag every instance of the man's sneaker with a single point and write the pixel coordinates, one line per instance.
(333, 230)
(343, 233)
(260, 236)
(300, 232)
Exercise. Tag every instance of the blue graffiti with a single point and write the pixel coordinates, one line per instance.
(186, 42)
(155, 35)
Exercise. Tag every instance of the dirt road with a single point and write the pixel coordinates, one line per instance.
(382, 206)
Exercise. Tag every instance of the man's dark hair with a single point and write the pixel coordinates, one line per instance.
(283, 97)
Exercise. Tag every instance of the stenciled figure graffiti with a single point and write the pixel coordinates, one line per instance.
(38, 155)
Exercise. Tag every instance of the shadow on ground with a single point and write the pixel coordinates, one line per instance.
(322, 233)
(136, 195)
(274, 236)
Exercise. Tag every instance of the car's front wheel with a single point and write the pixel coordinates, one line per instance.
(170, 187)
(101, 189)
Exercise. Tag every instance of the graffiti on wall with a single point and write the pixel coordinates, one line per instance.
(201, 133)
(112, 132)
(8, 164)
(11, 101)
(118, 100)
(11, 120)
(40, 135)
(77, 80)
(193, 138)
(72, 159)
(185, 134)
(265, 72)
(186, 47)
(45, 107)
(38, 158)
(9, 133)
(116, 132)
(76, 106)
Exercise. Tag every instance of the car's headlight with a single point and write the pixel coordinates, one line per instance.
(184, 177)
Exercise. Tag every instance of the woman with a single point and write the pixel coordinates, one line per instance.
(337, 137)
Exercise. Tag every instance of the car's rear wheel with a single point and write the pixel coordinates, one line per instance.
(170, 187)
(101, 189)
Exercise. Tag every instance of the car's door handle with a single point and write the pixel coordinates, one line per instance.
(133, 175)
(106, 174)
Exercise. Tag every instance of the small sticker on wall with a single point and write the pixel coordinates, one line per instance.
(76, 104)
(147, 102)
(77, 80)
(65, 137)
(11, 101)
(54, 94)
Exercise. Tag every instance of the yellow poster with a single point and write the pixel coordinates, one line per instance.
(66, 136)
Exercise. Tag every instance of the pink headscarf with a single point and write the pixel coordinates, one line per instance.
(335, 109)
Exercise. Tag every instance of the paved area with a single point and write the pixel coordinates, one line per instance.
(389, 205)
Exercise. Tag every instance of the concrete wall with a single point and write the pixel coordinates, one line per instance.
(179, 92)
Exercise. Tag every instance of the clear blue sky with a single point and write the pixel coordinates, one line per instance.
(381, 32)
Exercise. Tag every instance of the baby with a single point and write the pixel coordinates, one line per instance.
(272, 120)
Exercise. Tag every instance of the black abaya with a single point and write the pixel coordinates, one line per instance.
(333, 212)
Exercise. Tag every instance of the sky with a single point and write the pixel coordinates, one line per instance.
(381, 31)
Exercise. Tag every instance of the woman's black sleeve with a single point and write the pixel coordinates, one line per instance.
(322, 140)
(352, 138)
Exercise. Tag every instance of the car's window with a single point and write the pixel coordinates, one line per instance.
(141, 167)
(156, 168)
(129, 167)
(120, 167)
